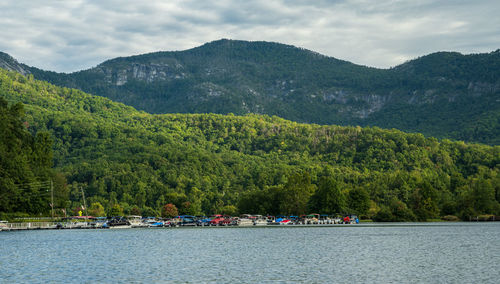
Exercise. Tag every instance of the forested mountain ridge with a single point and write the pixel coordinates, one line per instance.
(134, 162)
(444, 94)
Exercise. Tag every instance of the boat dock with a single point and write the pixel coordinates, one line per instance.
(45, 226)
(83, 225)
(246, 220)
(28, 226)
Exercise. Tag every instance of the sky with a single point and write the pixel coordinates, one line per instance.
(71, 35)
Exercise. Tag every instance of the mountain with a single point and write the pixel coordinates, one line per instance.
(445, 94)
(9, 63)
(132, 162)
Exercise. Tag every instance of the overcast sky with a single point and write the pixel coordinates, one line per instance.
(70, 35)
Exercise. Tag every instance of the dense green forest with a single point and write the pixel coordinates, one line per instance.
(129, 161)
(444, 94)
(25, 165)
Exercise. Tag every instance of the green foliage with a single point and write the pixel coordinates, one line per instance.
(358, 200)
(149, 212)
(396, 212)
(424, 202)
(135, 210)
(230, 210)
(25, 164)
(96, 209)
(329, 198)
(116, 210)
(296, 194)
(209, 163)
(263, 202)
(445, 94)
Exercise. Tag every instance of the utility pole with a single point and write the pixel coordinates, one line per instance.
(52, 197)
(84, 203)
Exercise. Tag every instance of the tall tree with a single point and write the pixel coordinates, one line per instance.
(358, 200)
(328, 198)
(296, 193)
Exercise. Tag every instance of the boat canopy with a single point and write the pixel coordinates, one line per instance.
(186, 216)
(82, 217)
(134, 217)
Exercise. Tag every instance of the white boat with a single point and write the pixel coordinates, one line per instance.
(260, 221)
(3, 226)
(337, 220)
(136, 221)
(245, 221)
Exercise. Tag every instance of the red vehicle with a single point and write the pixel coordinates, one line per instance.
(216, 220)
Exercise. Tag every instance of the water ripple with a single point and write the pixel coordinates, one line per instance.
(402, 253)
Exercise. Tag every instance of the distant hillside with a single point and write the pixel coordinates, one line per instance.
(445, 94)
(134, 162)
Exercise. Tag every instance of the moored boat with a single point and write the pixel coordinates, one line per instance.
(187, 220)
(118, 222)
(152, 222)
(311, 219)
(203, 221)
(260, 221)
(216, 220)
(245, 220)
(286, 222)
(3, 226)
(337, 220)
(99, 222)
(351, 219)
(136, 221)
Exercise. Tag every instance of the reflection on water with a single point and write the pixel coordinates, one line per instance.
(394, 253)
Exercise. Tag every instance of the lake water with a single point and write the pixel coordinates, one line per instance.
(375, 253)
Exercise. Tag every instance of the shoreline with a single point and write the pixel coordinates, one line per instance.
(33, 227)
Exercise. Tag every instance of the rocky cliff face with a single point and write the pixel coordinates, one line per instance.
(148, 73)
(9, 63)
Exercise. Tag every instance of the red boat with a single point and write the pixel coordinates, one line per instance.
(216, 220)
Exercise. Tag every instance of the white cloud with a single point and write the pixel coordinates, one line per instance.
(73, 35)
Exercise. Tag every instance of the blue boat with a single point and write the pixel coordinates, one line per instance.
(152, 222)
(187, 220)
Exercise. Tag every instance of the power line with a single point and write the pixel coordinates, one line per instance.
(40, 185)
(33, 184)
